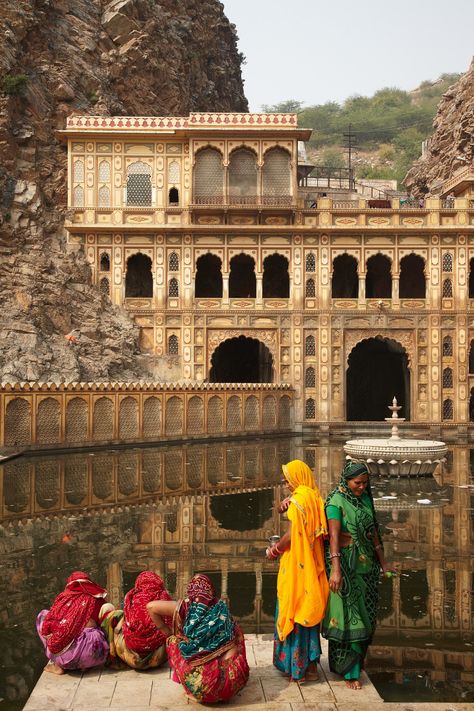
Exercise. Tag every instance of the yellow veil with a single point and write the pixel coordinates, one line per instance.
(302, 585)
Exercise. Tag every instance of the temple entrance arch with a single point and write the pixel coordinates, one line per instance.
(378, 370)
(241, 360)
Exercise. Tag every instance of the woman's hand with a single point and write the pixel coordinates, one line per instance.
(335, 581)
(271, 554)
(388, 568)
(283, 506)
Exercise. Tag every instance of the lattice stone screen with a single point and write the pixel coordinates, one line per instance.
(173, 470)
(48, 420)
(310, 288)
(139, 189)
(310, 378)
(310, 346)
(215, 414)
(75, 481)
(16, 485)
(310, 262)
(251, 413)
(233, 466)
(173, 262)
(128, 473)
(195, 468)
(285, 412)
(269, 416)
(447, 262)
(174, 416)
(128, 418)
(270, 463)
(18, 423)
(242, 173)
(78, 196)
(276, 173)
(215, 463)
(251, 462)
(195, 419)
(447, 346)
(103, 419)
(151, 417)
(76, 420)
(234, 414)
(102, 477)
(173, 172)
(104, 196)
(208, 175)
(47, 485)
(78, 171)
(151, 471)
(104, 286)
(104, 171)
(310, 409)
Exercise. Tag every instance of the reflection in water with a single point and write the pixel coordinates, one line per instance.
(210, 508)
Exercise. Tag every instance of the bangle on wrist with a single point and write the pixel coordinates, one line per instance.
(275, 547)
(334, 555)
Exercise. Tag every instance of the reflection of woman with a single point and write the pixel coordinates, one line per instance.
(302, 587)
(69, 631)
(132, 635)
(206, 650)
(354, 557)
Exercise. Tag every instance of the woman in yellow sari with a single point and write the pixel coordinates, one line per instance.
(302, 587)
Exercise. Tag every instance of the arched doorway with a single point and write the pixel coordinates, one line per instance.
(242, 280)
(208, 276)
(276, 280)
(378, 370)
(345, 280)
(378, 279)
(139, 279)
(412, 277)
(241, 360)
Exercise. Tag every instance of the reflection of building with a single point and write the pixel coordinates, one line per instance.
(235, 272)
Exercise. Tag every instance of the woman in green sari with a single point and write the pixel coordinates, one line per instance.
(354, 558)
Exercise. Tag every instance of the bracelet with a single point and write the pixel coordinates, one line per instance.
(275, 547)
(334, 555)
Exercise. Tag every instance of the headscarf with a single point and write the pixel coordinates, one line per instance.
(362, 523)
(140, 633)
(71, 611)
(208, 625)
(302, 583)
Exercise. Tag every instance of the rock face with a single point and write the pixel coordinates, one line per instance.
(452, 143)
(57, 57)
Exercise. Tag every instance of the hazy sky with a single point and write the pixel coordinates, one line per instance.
(316, 51)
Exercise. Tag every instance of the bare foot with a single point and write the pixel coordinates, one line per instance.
(53, 668)
(353, 684)
(312, 673)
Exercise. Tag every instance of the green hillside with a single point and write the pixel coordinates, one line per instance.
(388, 127)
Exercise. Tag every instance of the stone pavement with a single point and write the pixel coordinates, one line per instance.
(267, 690)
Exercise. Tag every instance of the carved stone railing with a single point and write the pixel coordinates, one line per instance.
(52, 415)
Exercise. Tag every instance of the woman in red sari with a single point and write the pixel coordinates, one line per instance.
(69, 630)
(131, 633)
(206, 649)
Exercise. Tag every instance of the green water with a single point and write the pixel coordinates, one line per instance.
(210, 507)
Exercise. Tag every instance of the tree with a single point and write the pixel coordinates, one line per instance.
(290, 106)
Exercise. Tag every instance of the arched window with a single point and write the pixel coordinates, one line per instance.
(78, 196)
(447, 346)
(173, 262)
(173, 288)
(447, 378)
(139, 190)
(447, 409)
(242, 176)
(310, 346)
(173, 345)
(139, 279)
(310, 409)
(104, 286)
(276, 174)
(78, 173)
(345, 280)
(104, 196)
(104, 262)
(242, 280)
(208, 176)
(173, 196)
(310, 378)
(378, 281)
(447, 262)
(208, 282)
(471, 358)
(447, 289)
(174, 172)
(104, 171)
(310, 288)
(310, 262)
(276, 280)
(412, 277)
(471, 278)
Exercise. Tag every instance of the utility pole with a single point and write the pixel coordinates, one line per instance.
(349, 138)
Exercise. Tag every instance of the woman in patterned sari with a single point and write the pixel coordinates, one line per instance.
(302, 586)
(354, 557)
(206, 649)
(132, 635)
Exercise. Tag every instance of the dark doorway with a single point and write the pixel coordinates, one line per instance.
(242, 512)
(471, 279)
(242, 281)
(378, 281)
(173, 196)
(471, 419)
(471, 358)
(412, 277)
(208, 277)
(378, 370)
(276, 280)
(139, 279)
(345, 280)
(241, 360)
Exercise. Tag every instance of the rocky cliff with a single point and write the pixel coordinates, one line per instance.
(147, 57)
(452, 143)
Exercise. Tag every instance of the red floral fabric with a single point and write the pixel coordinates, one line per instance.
(80, 601)
(140, 633)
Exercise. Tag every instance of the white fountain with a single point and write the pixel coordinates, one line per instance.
(395, 456)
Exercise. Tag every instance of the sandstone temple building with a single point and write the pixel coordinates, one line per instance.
(205, 229)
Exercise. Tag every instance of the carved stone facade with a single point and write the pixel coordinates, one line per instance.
(171, 192)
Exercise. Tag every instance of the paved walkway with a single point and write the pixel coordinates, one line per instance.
(267, 690)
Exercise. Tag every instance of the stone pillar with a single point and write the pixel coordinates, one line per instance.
(225, 288)
(259, 289)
